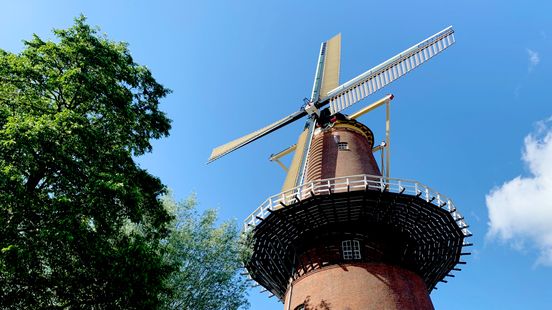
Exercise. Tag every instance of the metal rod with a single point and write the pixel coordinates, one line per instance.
(303, 167)
(318, 75)
(382, 160)
(387, 137)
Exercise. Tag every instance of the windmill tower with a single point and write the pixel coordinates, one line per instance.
(343, 234)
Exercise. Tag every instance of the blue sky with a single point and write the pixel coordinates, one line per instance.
(472, 123)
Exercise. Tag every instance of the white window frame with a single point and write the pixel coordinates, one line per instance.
(342, 146)
(347, 249)
(350, 249)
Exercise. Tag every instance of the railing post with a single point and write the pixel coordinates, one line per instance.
(427, 194)
(365, 183)
(381, 184)
(400, 186)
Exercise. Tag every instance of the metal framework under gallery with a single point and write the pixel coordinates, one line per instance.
(398, 221)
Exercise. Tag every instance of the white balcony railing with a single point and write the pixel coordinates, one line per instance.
(354, 183)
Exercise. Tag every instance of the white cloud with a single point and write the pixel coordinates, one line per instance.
(520, 211)
(534, 59)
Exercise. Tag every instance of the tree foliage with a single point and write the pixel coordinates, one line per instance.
(208, 259)
(72, 114)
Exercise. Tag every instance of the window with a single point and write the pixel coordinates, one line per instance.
(350, 249)
(342, 146)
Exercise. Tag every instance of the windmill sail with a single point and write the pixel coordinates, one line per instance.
(341, 97)
(376, 78)
(332, 60)
(326, 77)
(295, 166)
(231, 146)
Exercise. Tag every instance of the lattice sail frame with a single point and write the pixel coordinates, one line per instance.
(378, 77)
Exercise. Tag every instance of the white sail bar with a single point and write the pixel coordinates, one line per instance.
(376, 78)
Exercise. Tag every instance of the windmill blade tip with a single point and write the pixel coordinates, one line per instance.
(212, 159)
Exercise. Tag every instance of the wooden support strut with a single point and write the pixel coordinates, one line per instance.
(276, 157)
(385, 149)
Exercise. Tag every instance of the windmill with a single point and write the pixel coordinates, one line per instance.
(327, 90)
(337, 208)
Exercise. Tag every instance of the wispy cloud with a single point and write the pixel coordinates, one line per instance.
(534, 59)
(520, 211)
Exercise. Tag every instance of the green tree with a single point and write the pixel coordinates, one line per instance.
(208, 257)
(72, 114)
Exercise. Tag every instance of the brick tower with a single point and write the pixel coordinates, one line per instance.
(350, 238)
(340, 234)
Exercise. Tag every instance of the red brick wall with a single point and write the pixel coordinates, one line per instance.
(358, 287)
(326, 161)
